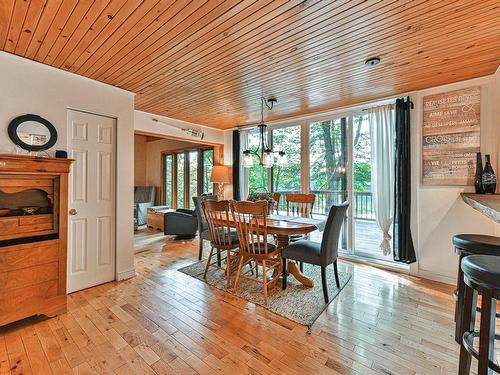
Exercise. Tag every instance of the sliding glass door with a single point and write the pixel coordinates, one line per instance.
(187, 174)
(328, 156)
(367, 234)
(328, 162)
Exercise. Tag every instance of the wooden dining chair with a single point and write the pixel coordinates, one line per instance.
(276, 199)
(223, 238)
(298, 204)
(255, 248)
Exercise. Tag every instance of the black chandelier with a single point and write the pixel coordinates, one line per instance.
(263, 151)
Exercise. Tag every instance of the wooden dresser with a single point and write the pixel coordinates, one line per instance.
(33, 246)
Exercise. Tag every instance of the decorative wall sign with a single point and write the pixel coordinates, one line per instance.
(451, 137)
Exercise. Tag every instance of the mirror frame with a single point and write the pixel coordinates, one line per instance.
(14, 124)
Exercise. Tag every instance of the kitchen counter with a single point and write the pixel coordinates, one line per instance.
(487, 204)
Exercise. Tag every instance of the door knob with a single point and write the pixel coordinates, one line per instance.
(73, 211)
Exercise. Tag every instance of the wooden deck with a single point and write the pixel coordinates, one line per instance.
(165, 322)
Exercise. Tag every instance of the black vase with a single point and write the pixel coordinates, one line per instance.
(489, 178)
(478, 178)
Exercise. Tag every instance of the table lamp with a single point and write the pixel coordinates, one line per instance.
(221, 175)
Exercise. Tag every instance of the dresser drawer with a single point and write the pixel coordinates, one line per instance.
(35, 219)
(27, 225)
(24, 277)
(28, 255)
(8, 225)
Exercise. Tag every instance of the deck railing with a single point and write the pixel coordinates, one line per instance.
(363, 202)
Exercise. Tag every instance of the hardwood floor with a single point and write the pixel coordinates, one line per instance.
(165, 322)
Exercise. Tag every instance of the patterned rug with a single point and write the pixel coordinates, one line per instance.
(298, 303)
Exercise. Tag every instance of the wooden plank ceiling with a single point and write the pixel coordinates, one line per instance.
(209, 61)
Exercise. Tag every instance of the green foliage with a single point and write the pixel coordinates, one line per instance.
(180, 180)
(328, 149)
(362, 176)
(208, 162)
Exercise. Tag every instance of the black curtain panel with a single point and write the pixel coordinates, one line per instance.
(236, 165)
(404, 250)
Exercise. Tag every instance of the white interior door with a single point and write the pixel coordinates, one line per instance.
(91, 143)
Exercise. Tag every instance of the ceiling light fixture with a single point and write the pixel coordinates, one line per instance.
(372, 61)
(263, 151)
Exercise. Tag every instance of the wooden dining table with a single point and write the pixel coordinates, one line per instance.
(283, 226)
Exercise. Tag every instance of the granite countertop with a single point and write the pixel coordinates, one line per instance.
(487, 204)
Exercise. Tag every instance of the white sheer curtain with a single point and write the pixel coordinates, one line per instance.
(382, 132)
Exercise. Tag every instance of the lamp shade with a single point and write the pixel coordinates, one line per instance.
(221, 174)
(247, 159)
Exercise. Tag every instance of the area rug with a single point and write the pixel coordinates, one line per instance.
(298, 303)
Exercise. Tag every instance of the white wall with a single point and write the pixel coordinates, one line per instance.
(173, 128)
(31, 87)
(438, 211)
(140, 160)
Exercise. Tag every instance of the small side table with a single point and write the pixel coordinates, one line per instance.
(156, 215)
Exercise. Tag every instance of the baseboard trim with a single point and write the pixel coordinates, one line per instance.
(388, 266)
(124, 275)
(436, 277)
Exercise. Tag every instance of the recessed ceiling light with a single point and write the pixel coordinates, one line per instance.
(372, 61)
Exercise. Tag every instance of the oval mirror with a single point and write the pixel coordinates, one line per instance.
(32, 133)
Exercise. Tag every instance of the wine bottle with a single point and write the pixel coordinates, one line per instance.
(478, 178)
(489, 178)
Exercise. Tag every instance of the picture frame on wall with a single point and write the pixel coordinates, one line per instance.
(451, 137)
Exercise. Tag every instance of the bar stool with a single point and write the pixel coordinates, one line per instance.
(468, 244)
(481, 276)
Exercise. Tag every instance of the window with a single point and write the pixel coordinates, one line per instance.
(286, 178)
(187, 174)
(337, 154)
(193, 177)
(208, 162)
(258, 176)
(180, 177)
(327, 163)
(167, 184)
